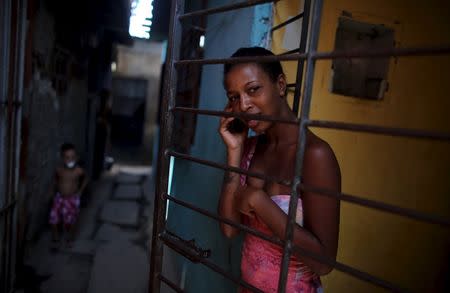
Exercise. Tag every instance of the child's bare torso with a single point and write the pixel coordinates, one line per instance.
(68, 180)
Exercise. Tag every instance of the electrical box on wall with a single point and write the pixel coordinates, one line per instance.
(361, 77)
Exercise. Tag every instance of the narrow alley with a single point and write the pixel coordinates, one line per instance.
(111, 243)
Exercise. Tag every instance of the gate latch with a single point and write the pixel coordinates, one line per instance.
(187, 248)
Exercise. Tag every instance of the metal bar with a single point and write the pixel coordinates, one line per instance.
(290, 85)
(5, 31)
(177, 247)
(234, 114)
(6, 208)
(224, 8)
(232, 60)
(351, 271)
(300, 64)
(337, 265)
(432, 219)
(301, 144)
(166, 122)
(284, 23)
(392, 131)
(226, 167)
(170, 284)
(379, 53)
(198, 28)
(289, 52)
(359, 53)
(271, 239)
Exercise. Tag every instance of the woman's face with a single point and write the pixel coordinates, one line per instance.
(251, 90)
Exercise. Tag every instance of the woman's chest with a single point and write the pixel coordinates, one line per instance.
(275, 164)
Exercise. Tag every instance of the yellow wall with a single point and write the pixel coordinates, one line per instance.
(407, 172)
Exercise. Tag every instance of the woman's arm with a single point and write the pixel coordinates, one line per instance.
(234, 143)
(319, 233)
(227, 206)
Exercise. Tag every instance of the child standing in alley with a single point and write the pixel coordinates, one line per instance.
(69, 183)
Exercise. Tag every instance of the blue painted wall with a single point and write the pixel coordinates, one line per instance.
(199, 184)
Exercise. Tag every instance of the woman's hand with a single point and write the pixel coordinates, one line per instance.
(233, 141)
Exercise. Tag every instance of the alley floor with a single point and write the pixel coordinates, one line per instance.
(111, 249)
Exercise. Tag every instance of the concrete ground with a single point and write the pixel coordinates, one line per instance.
(111, 249)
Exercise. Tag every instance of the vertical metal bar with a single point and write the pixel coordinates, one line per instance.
(11, 131)
(168, 102)
(304, 116)
(301, 62)
(5, 19)
(21, 24)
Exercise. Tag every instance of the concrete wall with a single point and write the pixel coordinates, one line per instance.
(405, 172)
(49, 120)
(199, 184)
(143, 60)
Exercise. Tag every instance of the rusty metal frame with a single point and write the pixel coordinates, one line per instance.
(337, 265)
(224, 8)
(285, 23)
(160, 235)
(167, 118)
(358, 200)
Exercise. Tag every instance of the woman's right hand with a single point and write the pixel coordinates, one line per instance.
(233, 141)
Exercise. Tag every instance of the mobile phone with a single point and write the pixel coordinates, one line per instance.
(236, 126)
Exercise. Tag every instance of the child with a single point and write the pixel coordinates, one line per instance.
(69, 183)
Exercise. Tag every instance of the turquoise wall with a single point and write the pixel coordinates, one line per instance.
(200, 184)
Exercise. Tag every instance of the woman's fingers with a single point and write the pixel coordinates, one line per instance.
(224, 123)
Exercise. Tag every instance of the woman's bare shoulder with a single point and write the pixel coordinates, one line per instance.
(317, 147)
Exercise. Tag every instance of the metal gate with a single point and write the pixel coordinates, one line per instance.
(12, 52)
(188, 249)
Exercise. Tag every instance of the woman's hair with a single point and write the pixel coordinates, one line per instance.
(273, 68)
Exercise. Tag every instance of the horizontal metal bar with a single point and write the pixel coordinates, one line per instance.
(269, 58)
(226, 167)
(432, 219)
(392, 131)
(355, 53)
(197, 28)
(234, 114)
(242, 227)
(177, 248)
(337, 265)
(170, 284)
(224, 8)
(292, 19)
(289, 52)
(8, 207)
(291, 85)
(350, 270)
(379, 53)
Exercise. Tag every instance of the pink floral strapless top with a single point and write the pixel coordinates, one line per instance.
(261, 260)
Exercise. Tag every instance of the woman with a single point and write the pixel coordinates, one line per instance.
(260, 88)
